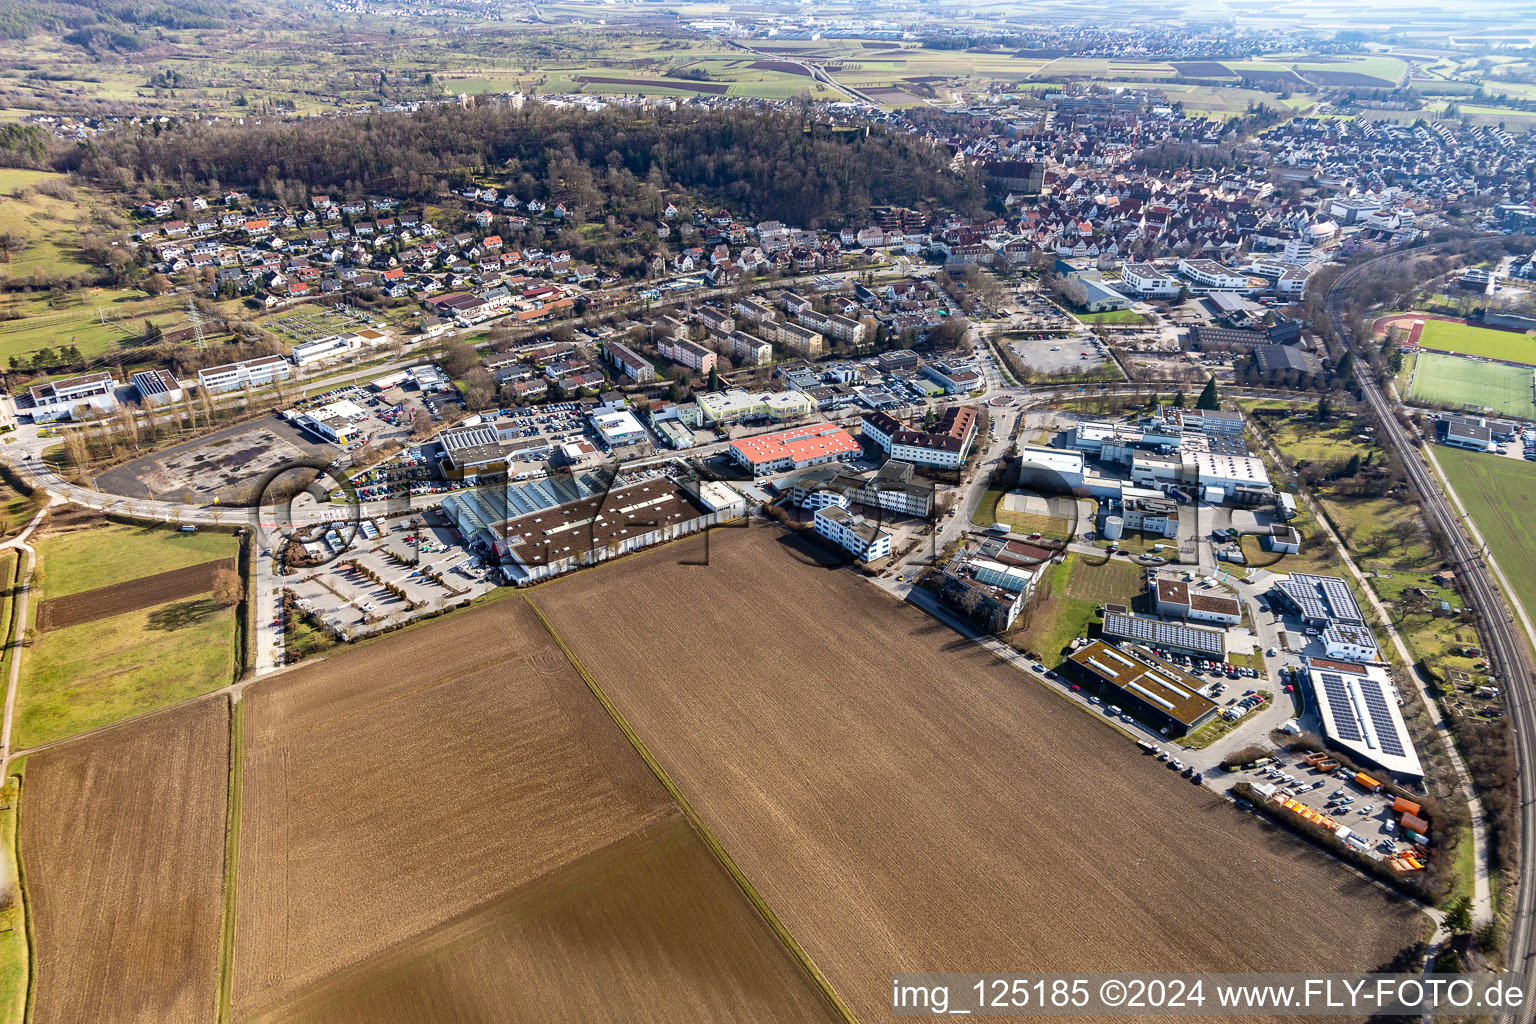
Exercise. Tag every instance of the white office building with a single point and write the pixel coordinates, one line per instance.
(842, 527)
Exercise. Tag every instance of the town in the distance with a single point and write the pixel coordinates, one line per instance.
(603, 510)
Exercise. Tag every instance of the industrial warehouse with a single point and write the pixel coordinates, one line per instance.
(1359, 708)
(1179, 637)
(535, 537)
(1161, 695)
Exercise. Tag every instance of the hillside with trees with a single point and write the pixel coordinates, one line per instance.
(778, 165)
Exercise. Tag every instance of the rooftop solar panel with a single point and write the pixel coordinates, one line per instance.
(1344, 721)
(1381, 717)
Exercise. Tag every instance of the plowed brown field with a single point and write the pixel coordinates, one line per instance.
(659, 925)
(122, 839)
(451, 820)
(145, 592)
(906, 802)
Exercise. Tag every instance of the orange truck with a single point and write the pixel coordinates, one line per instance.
(1367, 783)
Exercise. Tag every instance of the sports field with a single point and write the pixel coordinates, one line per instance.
(1453, 380)
(1452, 336)
(1498, 493)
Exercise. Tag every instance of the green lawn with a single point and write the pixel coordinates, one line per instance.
(1499, 493)
(14, 960)
(116, 552)
(1447, 336)
(1057, 617)
(991, 510)
(1453, 380)
(94, 320)
(1113, 316)
(96, 673)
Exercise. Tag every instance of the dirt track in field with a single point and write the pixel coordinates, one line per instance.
(144, 592)
(905, 802)
(448, 822)
(122, 840)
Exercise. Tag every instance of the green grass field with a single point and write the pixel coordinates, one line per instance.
(96, 673)
(1113, 316)
(14, 960)
(1478, 341)
(1453, 380)
(116, 552)
(1499, 494)
(96, 320)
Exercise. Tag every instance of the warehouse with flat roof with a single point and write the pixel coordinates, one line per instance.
(1160, 695)
(798, 448)
(1359, 708)
(1170, 636)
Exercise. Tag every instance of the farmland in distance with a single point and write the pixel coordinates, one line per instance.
(447, 826)
(122, 842)
(901, 798)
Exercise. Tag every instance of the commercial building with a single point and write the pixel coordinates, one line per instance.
(254, 373)
(619, 428)
(556, 540)
(1174, 597)
(1359, 709)
(850, 531)
(895, 487)
(954, 378)
(1160, 695)
(945, 447)
(1326, 604)
(332, 421)
(1179, 637)
(71, 398)
(472, 452)
(1051, 470)
(736, 406)
(797, 448)
(989, 592)
(1471, 432)
(156, 387)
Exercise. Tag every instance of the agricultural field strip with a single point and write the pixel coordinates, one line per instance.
(122, 838)
(878, 800)
(329, 754)
(698, 824)
(117, 598)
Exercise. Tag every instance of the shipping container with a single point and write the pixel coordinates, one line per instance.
(1402, 806)
(1414, 823)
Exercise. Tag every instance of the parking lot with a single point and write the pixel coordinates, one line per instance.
(1367, 814)
(420, 558)
(1051, 354)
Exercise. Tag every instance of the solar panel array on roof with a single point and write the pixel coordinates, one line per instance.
(1344, 721)
(1381, 718)
(1164, 634)
(1340, 601)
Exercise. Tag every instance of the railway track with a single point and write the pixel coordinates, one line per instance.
(1495, 622)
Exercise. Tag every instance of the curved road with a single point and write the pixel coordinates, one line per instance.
(1495, 622)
